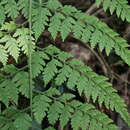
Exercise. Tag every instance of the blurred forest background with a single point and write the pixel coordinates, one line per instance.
(110, 66)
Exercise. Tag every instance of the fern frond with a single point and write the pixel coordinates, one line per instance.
(23, 5)
(61, 24)
(14, 120)
(11, 46)
(9, 69)
(66, 27)
(2, 14)
(77, 75)
(21, 80)
(68, 9)
(110, 97)
(54, 110)
(23, 39)
(98, 33)
(25, 119)
(40, 19)
(38, 62)
(104, 37)
(40, 106)
(3, 55)
(64, 73)
(11, 8)
(88, 29)
(58, 70)
(55, 24)
(8, 92)
(52, 50)
(50, 70)
(64, 110)
(93, 119)
(52, 92)
(121, 7)
(65, 116)
(53, 4)
(9, 26)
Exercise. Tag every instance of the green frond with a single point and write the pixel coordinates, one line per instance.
(9, 69)
(40, 106)
(52, 92)
(56, 80)
(24, 39)
(98, 33)
(87, 29)
(38, 62)
(55, 24)
(64, 73)
(51, 50)
(8, 92)
(2, 15)
(79, 76)
(3, 55)
(9, 26)
(54, 110)
(88, 117)
(68, 9)
(66, 27)
(40, 20)
(96, 87)
(65, 111)
(50, 70)
(11, 8)
(11, 46)
(23, 5)
(66, 97)
(121, 7)
(21, 79)
(16, 121)
(53, 4)
(65, 116)
(25, 119)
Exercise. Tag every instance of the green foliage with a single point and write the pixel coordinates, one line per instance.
(11, 46)
(3, 56)
(21, 79)
(65, 110)
(24, 39)
(12, 119)
(40, 19)
(120, 6)
(55, 69)
(8, 92)
(11, 8)
(2, 14)
(23, 6)
(38, 63)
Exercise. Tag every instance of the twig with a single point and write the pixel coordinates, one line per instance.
(106, 64)
(98, 57)
(91, 9)
(116, 76)
(97, 12)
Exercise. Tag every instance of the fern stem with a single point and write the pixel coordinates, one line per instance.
(30, 54)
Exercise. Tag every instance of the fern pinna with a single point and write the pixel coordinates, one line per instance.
(55, 69)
